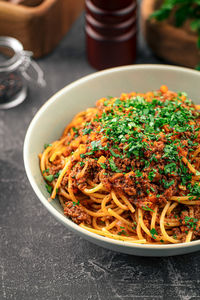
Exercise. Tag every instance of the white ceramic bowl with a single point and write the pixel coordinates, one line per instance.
(56, 113)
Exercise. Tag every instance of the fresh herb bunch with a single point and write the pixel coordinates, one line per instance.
(184, 10)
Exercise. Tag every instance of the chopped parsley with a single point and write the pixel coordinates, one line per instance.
(167, 184)
(57, 174)
(134, 227)
(138, 173)
(153, 190)
(104, 166)
(114, 153)
(153, 233)
(47, 145)
(49, 178)
(169, 168)
(122, 232)
(96, 145)
(75, 203)
(113, 166)
(151, 175)
(49, 188)
(174, 236)
(86, 131)
(75, 129)
(194, 189)
(191, 222)
(147, 208)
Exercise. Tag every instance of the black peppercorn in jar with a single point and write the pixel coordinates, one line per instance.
(14, 62)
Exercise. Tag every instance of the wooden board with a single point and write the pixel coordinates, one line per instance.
(177, 45)
(39, 28)
(25, 2)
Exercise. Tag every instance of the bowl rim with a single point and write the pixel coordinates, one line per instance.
(66, 221)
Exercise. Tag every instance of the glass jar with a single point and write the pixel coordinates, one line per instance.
(14, 63)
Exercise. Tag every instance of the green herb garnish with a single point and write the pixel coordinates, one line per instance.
(147, 208)
(75, 203)
(49, 178)
(182, 11)
(153, 233)
(113, 166)
(47, 145)
(191, 222)
(49, 188)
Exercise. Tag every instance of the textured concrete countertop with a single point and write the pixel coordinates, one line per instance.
(40, 258)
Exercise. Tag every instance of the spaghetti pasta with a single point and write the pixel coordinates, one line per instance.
(129, 168)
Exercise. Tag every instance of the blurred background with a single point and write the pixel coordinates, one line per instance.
(108, 34)
(57, 42)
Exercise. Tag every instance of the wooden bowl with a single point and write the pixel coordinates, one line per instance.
(177, 45)
(41, 27)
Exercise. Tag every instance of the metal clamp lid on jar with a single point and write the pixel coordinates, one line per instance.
(21, 61)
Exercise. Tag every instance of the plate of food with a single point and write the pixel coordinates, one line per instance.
(115, 157)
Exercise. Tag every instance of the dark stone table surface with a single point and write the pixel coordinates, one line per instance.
(39, 257)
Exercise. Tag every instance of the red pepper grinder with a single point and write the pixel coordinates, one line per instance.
(110, 32)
